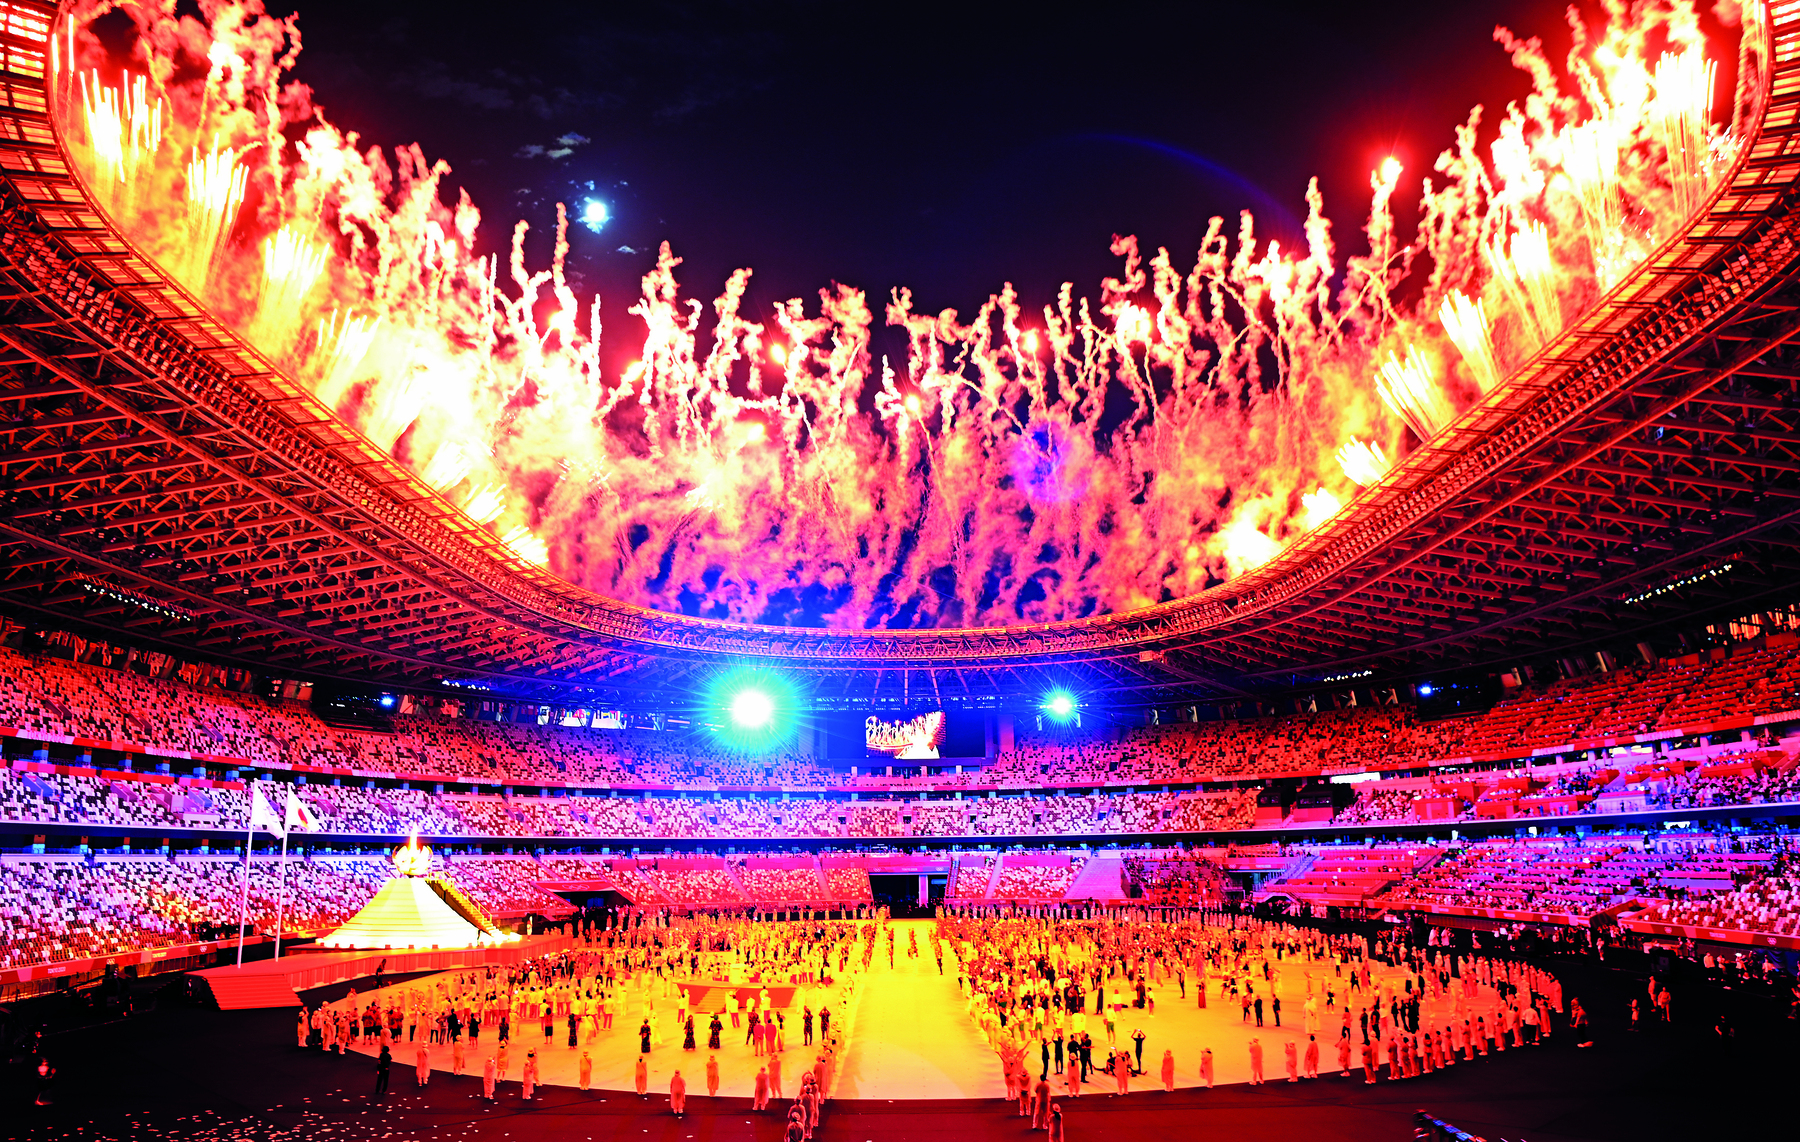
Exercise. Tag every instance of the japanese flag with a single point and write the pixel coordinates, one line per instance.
(300, 815)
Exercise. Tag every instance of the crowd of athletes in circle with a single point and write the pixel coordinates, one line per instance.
(1062, 1000)
(631, 985)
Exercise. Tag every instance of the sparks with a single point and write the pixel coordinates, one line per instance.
(1362, 462)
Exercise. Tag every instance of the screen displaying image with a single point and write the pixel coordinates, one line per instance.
(917, 737)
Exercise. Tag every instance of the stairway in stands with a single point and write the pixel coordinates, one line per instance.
(994, 878)
(1101, 878)
(737, 882)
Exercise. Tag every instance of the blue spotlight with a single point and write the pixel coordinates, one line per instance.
(1060, 704)
(751, 709)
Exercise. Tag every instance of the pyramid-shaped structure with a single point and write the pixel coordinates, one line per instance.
(407, 913)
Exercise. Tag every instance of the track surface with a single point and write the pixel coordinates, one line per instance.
(177, 1071)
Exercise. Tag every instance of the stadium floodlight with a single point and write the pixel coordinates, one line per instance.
(1060, 704)
(751, 709)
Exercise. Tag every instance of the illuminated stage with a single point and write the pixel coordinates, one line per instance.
(272, 983)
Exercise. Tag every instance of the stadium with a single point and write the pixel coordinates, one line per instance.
(376, 649)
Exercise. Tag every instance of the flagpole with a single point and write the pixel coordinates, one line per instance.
(281, 907)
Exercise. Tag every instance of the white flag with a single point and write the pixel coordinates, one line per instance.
(262, 815)
(300, 815)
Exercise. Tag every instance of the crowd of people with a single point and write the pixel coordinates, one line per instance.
(370, 810)
(176, 718)
(1066, 1003)
(1713, 886)
(1062, 1001)
(55, 907)
(1024, 880)
(1753, 773)
(1178, 878)
(756, 997)
(1331, 740)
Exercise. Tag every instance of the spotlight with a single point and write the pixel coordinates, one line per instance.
(1425, 690)
(1060, 704)
(387, 701)
(594, 215)
(751, 709)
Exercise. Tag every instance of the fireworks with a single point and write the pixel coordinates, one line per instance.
(449, 467)
(1245, 546)
(1466, 323)
(215, 190)
(1683, 104)
(1319, 505)
(526, 545)
(1411, 390)
(1363, 463)
(341, 343)
(291, 267)
(1590, 163)
(1527, 278)
(1030, 462)
(486, 503)
(124, 128)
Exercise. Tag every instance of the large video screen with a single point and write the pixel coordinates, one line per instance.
(916, 738)
(852, 736)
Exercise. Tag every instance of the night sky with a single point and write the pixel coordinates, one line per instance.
(949, 148)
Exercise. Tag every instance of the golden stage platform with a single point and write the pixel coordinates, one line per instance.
(273, 983)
